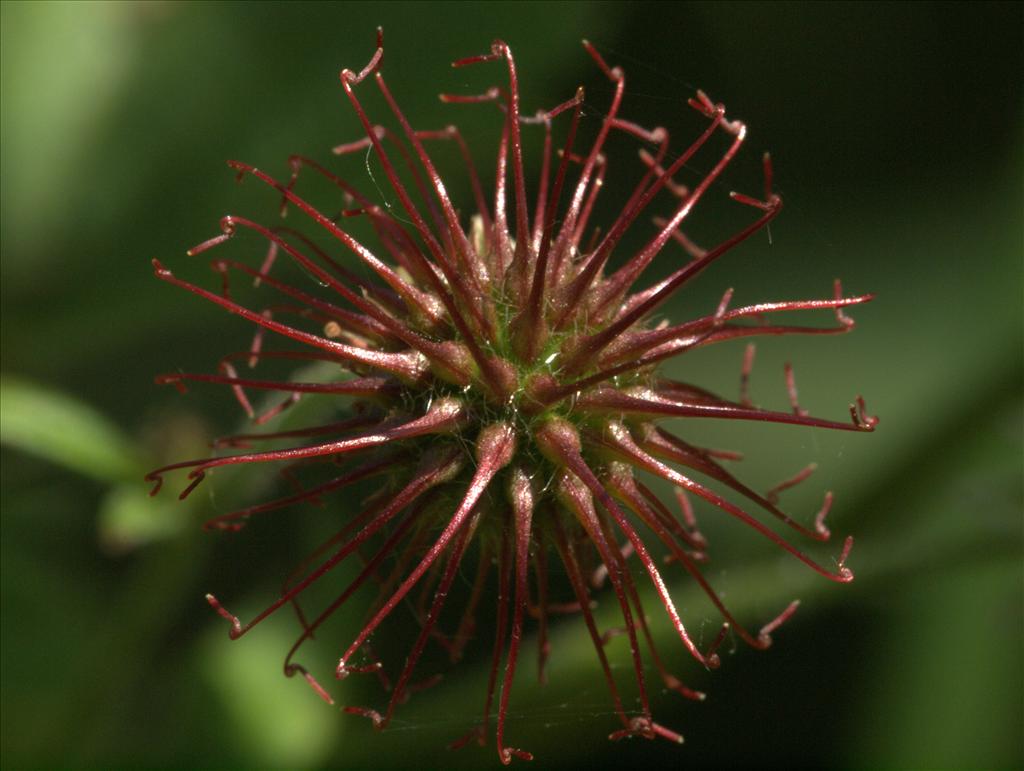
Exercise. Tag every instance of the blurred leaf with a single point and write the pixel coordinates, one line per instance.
(954, 583)
(60, 121)
(129, 518)
(55, 426)
(276, 723)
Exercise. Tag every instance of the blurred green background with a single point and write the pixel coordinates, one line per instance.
(896, 135)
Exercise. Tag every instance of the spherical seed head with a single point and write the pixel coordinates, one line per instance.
(505, 383)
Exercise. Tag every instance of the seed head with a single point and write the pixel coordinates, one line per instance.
(501, 379)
